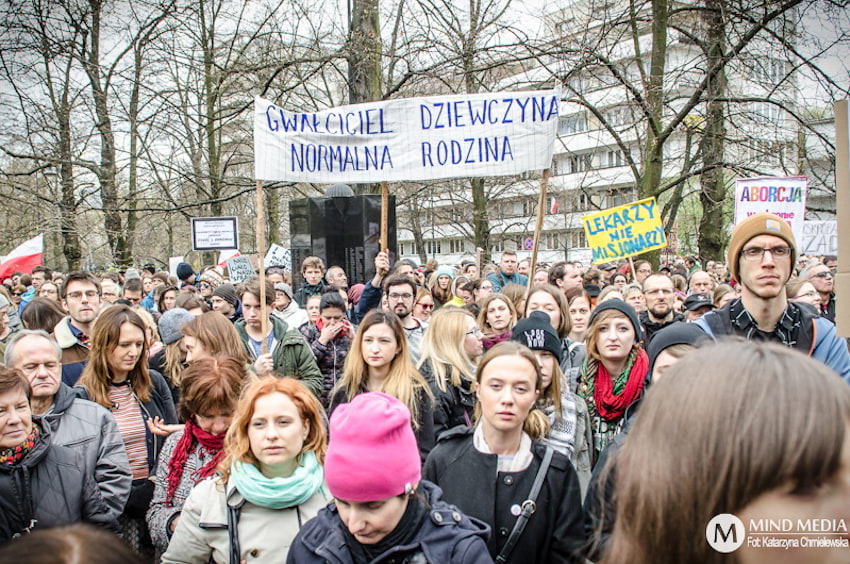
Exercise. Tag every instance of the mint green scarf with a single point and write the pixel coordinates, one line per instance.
(279, 493)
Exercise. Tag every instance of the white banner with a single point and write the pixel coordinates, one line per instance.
(492, 134)
(215, 233)
(820, 238)
(239, 269)
(278, 256)
(783, 196)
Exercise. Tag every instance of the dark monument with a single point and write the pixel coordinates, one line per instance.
(342, 229)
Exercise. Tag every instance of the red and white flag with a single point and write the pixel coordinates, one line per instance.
(553, 208)
(224, 256)
(23, 258)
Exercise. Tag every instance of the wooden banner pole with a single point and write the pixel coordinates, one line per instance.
(538, 227)
(385, 216)
(261, 252)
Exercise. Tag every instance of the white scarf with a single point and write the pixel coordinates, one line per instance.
(515, 463)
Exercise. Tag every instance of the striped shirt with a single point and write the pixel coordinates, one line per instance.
(131, 425)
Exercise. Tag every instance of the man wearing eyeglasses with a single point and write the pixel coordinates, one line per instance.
(81, 298)
(401, 293)
(761, 255)
(659, 312)
(822, 279)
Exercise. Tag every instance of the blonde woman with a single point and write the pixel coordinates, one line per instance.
(450, 348)
(378, 361)
(270, 482)
(497, 318)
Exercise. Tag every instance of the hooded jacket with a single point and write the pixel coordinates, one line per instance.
(50, 487)
(453, 407)
(91, 430)
(292, 355)
(471, 481)
(446, 536)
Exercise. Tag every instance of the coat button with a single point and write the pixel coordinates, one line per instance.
(456, 516)
(438, 518)
(503, 531)
(509, 480)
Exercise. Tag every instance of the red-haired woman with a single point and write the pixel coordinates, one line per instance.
(271, 480)
(211, 390)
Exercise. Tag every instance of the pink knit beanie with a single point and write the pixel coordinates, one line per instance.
(372, 454)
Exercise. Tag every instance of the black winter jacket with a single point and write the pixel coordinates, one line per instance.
(49, 488)
(455, 406)
(446, 537)
(651, 327)
(470, 480)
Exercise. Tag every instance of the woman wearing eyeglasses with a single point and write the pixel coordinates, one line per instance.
(450, 348)
(423, 307)
(801, 290)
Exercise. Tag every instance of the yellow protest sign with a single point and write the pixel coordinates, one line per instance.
(624, 231)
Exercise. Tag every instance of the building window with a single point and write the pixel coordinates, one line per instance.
(498, 246)
(529, 207)
(612, 158)
(433, 247)
(575, 123)
(456, 246)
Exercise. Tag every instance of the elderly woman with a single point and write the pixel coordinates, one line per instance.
(211, 390)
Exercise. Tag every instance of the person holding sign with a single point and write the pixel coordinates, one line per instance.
(761, 256)
(288, 353)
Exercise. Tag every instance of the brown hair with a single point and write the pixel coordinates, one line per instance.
(78, 276)
(160, 296)
(188, 300)
(721, 290)
(312, 262)
(217, 334)
(792, 287)
(237, 446)
(592, 356)
(211, 385)
(515, 293)
(565, 326)
(97, 374)
(482, 317)
(536, 424)
(746, 407)
(252, 286)
(70, 545)
(42, 313)
(11, 379)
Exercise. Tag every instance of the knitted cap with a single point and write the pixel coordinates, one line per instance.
(444, 270)
(285, 288)
(228, 293)
(212, 278)
(536, 332)
(372, 454)
(185, 271)
(131, 273)
(623, 308)
(759, 224)
(171, 323)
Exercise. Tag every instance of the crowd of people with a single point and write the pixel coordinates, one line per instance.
(445, 413)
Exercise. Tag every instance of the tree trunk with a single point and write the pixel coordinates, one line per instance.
(480, 220)
(713, 186)
(211, 99)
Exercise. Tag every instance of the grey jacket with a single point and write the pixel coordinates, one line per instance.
(91, 430)
(49, 488)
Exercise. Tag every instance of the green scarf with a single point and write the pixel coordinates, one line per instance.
(279, 493)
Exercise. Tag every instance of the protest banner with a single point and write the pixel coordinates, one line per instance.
(490, 134)
(819, 238)
(215, 233)
(783, 196)
(278, 256)
(624, 231)
(239, 269)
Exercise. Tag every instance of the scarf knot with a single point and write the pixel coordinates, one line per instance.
(279, 493)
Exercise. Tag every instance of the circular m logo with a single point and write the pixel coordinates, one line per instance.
(725, 533)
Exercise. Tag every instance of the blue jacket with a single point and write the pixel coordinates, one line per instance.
(447, 536)
(825, 345)
(369, 300)
(500, 280)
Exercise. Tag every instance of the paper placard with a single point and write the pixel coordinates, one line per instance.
(624, 231)
(239, 269)
(783, 196)
(214, 233)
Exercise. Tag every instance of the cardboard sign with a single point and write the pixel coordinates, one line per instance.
(624, 231)
(172, 265)
(783, 196)
(819, 238)
(239, 269)
(214, 233)
(490, 134)
(278, 256)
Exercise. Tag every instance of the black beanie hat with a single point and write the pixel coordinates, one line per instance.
(228, 293)
(678, 333)
(623, 308)
(185, 271)
(536, 332)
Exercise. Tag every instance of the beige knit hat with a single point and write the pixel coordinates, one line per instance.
(759, 224)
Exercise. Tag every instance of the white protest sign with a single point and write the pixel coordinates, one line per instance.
(172, 264)
(819, 238)
(239, 269)
(214, 233)
(783, 196)
(491, 134)
(278, 256)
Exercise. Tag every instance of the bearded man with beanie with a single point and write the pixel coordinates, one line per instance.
(761, 257)
(384, 511)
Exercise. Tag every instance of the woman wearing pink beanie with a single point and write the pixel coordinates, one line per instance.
(384, 512)
(498, 472)
(378, 361)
